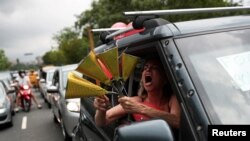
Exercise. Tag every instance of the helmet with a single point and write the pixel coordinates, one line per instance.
(20, 72)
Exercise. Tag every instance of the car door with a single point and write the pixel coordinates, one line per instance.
(55, 97)
(87, 130)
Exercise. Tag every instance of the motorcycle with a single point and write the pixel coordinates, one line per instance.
(25, 92)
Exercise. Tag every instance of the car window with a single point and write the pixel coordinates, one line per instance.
(219, 67)
(50, 76)
(55, 79)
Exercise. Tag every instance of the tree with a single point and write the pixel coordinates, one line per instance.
(4, 62)
(71, 44)
(55, 58)
(74, 50)
(65, 35)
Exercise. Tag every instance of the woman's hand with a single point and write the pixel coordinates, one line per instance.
(101, 103)
(131, 104)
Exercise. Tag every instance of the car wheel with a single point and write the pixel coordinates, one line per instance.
(13, 112)
(55, 119)
(65, 134)
(49, 105)
(10, 124)
(45, 100)
(78, 137)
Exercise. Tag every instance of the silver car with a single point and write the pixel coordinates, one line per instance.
(45, 83)
(6, 106)
(65, 111)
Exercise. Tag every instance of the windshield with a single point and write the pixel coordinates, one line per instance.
(219, 68)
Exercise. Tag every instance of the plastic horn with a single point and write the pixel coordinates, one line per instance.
(78, 87)
(90, 67)
(110, 60)
(128, 63)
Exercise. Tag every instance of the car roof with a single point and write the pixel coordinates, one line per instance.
(68, 67)
(212, 24)
(48, 68)
(169, 30)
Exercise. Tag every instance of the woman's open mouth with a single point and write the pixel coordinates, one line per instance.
(148, 80)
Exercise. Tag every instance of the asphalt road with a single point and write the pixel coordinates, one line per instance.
(39, 126)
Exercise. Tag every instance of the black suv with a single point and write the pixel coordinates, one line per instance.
(207, 62)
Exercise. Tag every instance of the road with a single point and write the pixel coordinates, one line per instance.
(36, 125)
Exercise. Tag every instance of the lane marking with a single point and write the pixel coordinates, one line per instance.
(24, 123)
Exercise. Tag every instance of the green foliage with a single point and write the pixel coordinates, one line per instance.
(54, 57)
(65, 35)
(4, 62)
(71, 48)
(23, 66)
(74, 50)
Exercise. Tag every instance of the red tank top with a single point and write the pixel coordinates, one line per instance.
(140, 117)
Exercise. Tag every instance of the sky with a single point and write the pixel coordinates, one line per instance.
(27, 26)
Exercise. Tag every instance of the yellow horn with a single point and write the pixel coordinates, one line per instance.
(128, 65)
(90, 67)
(78, 87)
(110, 60)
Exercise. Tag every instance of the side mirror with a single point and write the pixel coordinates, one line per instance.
(52, 89)
(42, 81)
(153, 130)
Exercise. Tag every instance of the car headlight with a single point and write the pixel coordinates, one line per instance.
(73, 106)
(4, 103)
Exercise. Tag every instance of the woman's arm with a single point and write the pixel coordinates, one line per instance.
(172, 117)
(105, 116)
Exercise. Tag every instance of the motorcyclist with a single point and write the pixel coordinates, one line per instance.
(24, 80)
(33, 79)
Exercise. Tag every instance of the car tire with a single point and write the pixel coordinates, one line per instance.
(55, 119)
(13, 112)
(78, 137)
(10, 124)
(49, 105)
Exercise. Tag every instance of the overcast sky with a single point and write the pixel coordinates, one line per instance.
(27, 26)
